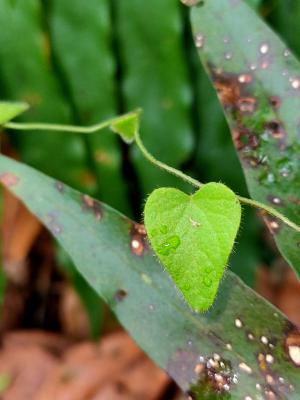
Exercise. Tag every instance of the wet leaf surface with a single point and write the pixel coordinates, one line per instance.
(193, 236)
(258, 83)
(241, 347)
(214, 144)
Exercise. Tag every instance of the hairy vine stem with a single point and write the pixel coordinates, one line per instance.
(147, 155)
(59, 128)
(197, 184)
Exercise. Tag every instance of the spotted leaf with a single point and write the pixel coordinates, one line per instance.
(193, 237)
(241, 348)
(258, 83)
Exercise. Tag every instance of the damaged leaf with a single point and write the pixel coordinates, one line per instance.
(241, 348)
(257, 80)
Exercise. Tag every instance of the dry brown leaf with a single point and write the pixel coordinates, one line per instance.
(88, 367)
(141, 381)
(73, 316)
(27, 369)
(19, 231)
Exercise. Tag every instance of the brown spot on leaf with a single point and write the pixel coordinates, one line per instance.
(120, 295)
(262, 363)
(8, 179)
(233, 91)
(228, 89)
(275, 102)
(292, 345)
(138, 241)
(214, 376)
(91, 205)
(269, 395)
(273, 224)
(273, 382)
(275, 129)
(246, 105)
(253, 162)
(275, 200)
(244, 139)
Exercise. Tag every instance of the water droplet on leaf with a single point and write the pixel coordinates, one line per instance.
(207, 281)
(238, 323)
(164, 229)
(199, 40)
(169, 246)
(264, 48)
(228, 55)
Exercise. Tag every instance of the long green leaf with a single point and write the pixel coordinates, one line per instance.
(258, 83)
(215, 144)
(241, 347)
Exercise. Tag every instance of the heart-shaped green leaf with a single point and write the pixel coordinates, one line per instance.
(193, 237)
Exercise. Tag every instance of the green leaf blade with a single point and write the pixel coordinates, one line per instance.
(193, 236)
(257, 80)
(112, 254)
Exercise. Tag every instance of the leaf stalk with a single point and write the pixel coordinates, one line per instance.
(181, 175)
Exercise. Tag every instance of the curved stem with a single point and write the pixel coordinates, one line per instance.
(269, 210)
(58, 128)
(197, 184)
(147, 155)
(162, 165)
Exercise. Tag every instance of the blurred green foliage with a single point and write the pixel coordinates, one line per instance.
(81, 63)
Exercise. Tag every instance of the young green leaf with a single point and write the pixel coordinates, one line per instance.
(193, 237)
(10, 110)
(258, 83)
(126, 126)
(242, 347)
